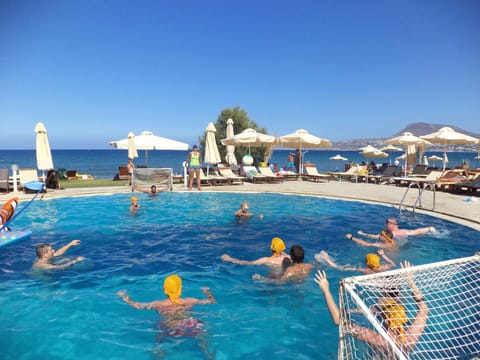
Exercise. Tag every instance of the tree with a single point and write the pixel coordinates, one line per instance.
(241, 121)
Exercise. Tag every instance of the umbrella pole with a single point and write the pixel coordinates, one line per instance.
(146, 158)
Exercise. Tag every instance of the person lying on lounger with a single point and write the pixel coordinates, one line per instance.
(371, 260)
(277, 258)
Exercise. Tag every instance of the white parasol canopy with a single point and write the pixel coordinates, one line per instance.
(338, 158)
(230, 156)
(446, 136)
(132, 149)
(43, 152)
(212, 156)
(148, 141)
(388, 149)
(302, 139)
(409, 141)
(251, 138)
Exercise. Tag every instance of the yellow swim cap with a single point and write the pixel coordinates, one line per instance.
(373, 261)
(277, 245)
(395, 316)
(388, 236)
(133, 198)
(172, 287)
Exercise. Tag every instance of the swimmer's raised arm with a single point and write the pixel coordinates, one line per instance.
(370, 236)
(140, 306)
(64, 248)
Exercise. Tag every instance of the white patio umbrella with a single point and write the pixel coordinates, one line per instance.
(409, 141)
(389, 149)
(148, 141)
(132, 149)
(447, 136)
(338, 158)
(250, 138)
(212, 156)
(230, 155)
(302, 139)
(368, 148)
(43, 152)
(434, 158)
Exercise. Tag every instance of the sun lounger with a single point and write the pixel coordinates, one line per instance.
(71, 174)
(452, 177)
(267, 171)
(472, 187)
(385, 177)
(4, 180)
(122, 173)
(228, 173)
(311, 173)
(29, 180)
(213, 179)
(253, 175)
(352, 173)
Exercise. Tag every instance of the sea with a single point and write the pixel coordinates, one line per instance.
(104, 163)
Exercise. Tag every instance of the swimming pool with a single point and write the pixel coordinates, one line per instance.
(75, 314)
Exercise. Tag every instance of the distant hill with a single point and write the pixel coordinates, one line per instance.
(418, 129)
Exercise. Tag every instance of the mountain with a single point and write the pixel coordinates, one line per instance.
(418, 129)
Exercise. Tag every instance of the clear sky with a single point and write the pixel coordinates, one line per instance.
(92, 71)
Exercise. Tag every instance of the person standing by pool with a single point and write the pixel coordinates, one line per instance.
(194, 162)
(46, 253)
(392, 311)
(371, 260)
(130, 167)
(290, 161)
(298, 270)
(277, 258)
(298, 160)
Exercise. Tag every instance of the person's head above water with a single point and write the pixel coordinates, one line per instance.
(172, 286)
(387, 236)
(153, 189)
(372, 261)
(277, 246)
(297, 254)
(44, 250)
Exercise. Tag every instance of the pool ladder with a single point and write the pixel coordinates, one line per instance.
(422, 186)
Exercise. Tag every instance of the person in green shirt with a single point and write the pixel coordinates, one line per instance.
(194, 162)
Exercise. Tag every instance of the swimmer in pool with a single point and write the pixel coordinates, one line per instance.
(298, 271)
(371, 260)
(244, 213)
(152, 192)
(276, 259)
(174, 304)
(46, 253)
(385, 237)
(392, 225)
(134, 205)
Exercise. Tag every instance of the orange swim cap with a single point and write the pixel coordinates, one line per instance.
(277, 245)
(372, 261)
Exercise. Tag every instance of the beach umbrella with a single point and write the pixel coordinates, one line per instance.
(148, 141)
(434, 158)
(212, 156)
(250, 138)
(410, 142)
(302, 139)
(389, 149)
(43, 152)
(230, 155)
(338, 158)
(132, 149)
(447, 136)
(368, 148)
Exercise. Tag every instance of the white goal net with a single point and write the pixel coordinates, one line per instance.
(144, 178)
(451, 291)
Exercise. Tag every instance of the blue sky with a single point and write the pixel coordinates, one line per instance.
(92, 71)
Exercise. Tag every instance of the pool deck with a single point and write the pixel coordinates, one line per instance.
(453, 207)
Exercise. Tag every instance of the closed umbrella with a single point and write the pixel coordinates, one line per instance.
(132, 149)
(148, 141)
(43, 152)
(447, 136)
(409, 141)
(302, 139)
(212, 156)
(230, 155)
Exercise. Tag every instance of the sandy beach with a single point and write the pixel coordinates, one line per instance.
(458, 208)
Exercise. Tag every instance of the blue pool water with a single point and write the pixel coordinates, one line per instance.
(75, 314)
